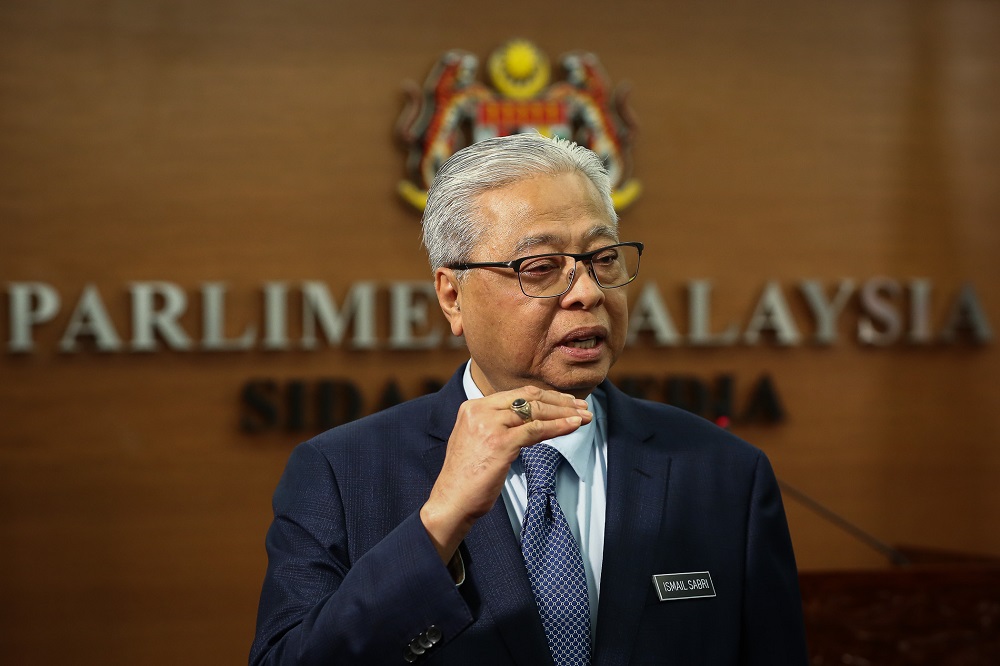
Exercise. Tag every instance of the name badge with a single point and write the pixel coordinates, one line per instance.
(691, 585)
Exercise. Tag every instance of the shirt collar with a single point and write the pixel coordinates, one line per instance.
(575, 447)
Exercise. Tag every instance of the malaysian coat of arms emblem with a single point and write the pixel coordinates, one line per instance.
(454, 109)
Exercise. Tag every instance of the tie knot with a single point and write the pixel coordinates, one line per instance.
(540, 463)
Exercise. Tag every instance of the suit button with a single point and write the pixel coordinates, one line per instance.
(433, 634)
(409, 656)
(424, 641)
(416, 648)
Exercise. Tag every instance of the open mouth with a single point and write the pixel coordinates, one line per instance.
(583, 343)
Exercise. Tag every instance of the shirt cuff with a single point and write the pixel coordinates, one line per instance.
(456, 567)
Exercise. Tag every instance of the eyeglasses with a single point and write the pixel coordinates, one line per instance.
(551, 275)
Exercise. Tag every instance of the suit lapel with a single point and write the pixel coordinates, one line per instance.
(493, 562)
(637, 484)
(496, 566)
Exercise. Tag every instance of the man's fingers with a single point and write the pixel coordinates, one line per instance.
(541, 404)
(557, 398)
(537, 431)
(544, 411)
(535, 394)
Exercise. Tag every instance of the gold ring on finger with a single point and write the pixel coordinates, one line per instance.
(522, 408)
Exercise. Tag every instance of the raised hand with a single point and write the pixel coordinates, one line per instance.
(487, 437)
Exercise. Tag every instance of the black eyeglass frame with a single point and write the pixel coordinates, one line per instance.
(585, 257)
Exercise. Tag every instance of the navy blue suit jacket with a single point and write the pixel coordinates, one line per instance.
(353, 577)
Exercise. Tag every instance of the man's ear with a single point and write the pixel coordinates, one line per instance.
(449, 294)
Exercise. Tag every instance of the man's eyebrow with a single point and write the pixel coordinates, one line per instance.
(602, 231)
(525, 245)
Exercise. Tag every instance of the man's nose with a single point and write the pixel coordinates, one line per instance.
(585, 289)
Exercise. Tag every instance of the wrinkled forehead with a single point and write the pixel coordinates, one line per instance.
(544, 213)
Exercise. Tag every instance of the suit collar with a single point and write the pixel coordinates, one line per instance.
(443, 408)
(624, 411)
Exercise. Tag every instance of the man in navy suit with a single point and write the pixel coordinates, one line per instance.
(410, 535)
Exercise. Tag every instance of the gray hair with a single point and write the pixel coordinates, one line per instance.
(451, 225)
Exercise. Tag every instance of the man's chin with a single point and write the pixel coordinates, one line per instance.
(578, 381)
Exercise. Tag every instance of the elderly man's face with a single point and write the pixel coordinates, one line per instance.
(567, 343)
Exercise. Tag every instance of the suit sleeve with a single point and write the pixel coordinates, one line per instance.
(319, 607)
(773, 630)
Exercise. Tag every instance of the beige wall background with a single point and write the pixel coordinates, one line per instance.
(246, 141)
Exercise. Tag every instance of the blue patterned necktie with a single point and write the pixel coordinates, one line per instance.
(554, 563)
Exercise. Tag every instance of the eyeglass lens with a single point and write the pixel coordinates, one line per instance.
(552, 274)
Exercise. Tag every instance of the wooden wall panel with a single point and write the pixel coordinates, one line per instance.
(252, 141)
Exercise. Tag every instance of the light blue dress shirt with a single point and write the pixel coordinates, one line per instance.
(581, 488)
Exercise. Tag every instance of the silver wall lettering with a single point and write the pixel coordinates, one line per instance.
(148, 320)
(276, 316)
(213, 317)
(886, 312)
(90, 317)
(881, 325)
(967, 313)
(825, 313)
(700, 316)
(650, 313)
(409, 309)
(772, 314)
(920, 319)
(359, 306)
(31, 303)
